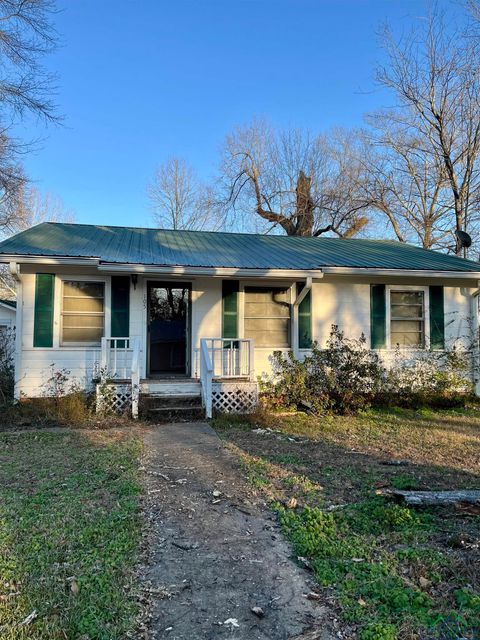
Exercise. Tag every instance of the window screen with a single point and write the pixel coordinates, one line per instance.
(83, 312)
(407, 318)
(267, 316)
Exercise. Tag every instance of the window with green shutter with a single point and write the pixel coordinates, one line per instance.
(378, 331)
(304, 319)
(44, 309)
(120, 315)
(437, 318)
(230, 290)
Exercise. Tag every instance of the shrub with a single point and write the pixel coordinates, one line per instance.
(344, 377)
(347, 377)
(435, 379)
(64, 402)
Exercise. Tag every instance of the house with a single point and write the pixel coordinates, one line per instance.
(199, 314)
(8, 312)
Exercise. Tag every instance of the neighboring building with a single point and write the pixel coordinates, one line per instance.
(8, 311)
(198, 305)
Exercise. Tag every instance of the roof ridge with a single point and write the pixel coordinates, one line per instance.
(229, 233)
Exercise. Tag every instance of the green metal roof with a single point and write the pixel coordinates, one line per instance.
(163, 247)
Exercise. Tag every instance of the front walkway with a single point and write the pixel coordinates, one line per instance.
(213, 554)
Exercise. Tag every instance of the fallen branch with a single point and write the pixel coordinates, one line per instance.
(428, 498)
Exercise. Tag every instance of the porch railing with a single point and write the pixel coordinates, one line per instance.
(120, 359)
(223, 358)
(230, 358)
(206, 377)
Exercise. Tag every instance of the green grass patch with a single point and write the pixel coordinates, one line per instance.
(394, 572)
(69, 534)
(375, 585)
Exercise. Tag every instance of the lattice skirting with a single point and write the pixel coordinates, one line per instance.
(234, 397)
(114, 398)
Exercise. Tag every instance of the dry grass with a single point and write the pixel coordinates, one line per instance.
(418, 576)
(440, 438)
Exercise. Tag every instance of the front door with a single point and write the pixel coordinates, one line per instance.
(168, 308)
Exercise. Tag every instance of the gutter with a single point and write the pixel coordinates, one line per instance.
(413, 273)
(238, 272)
(216, 272)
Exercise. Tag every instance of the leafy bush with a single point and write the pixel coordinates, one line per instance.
(344, 377)
(347, 377)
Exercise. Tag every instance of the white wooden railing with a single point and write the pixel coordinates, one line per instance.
(206, 377)
(231, 358)
(224, 359)
(120, 359)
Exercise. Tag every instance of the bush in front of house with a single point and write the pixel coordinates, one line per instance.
(346, 377)
(342, 378)
(438, 379)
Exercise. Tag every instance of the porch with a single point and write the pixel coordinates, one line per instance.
(222, 379)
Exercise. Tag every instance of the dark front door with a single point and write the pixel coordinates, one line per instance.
(168, 308)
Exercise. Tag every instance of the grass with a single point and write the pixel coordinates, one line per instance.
(69, 534)
(394, 572)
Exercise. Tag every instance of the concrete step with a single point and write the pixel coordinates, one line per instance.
(172, 413)
(171, 408)
(161, 401)
(171, 388)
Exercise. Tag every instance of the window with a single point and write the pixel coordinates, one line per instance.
(407, 318)
(267, 316)
(82, 312)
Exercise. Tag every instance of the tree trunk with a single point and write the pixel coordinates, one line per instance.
(304, 206)
(426, 498)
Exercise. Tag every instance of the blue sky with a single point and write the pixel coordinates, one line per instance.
(139, 81)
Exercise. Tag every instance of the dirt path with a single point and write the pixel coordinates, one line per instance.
(213, 554)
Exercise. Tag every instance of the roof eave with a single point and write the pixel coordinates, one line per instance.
(236, 272)
(411, 273)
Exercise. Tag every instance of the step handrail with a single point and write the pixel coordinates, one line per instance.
(135, 375)
(206, 376)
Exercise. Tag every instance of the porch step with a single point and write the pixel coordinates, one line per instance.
(171, 408)
(170, 388)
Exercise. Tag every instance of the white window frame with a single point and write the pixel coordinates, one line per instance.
(247, 284)
(426, 311)
(106, 309)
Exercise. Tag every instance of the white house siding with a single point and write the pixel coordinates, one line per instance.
(33, 368)
(341, 301)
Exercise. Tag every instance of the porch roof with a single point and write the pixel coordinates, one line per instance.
(165, 247)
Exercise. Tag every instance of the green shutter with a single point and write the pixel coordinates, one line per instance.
(437, 318)
(120, 325)
(43, 318)
(230, 308)
(378, 331)
(304, 319)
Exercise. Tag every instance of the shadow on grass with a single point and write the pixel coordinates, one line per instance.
(69, 534)
(396, 572)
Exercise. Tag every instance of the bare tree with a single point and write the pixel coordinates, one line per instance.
(29, 208)
(434, 74)
(408, 186)
(179, 200)
(291, 180)
(26, 88)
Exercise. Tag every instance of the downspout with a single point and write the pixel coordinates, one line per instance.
(14, 269)
(475, 341)
(303, 293)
